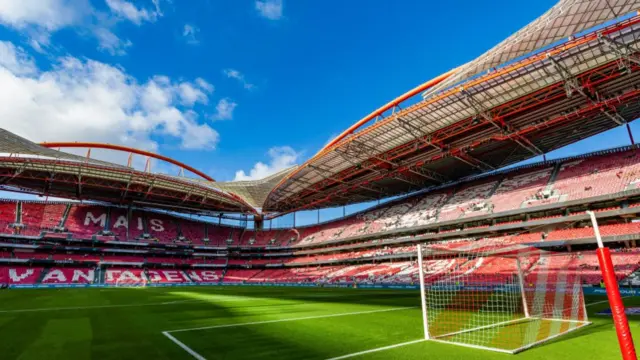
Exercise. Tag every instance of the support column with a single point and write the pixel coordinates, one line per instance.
(633, 143)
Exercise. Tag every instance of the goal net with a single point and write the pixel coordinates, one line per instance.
(497, 297)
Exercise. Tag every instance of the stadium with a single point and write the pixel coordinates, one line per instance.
(469, 254)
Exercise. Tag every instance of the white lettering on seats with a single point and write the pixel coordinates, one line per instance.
(15, 277)
(89, 218)
(156, 225)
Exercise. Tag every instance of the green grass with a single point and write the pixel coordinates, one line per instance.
(128, 324)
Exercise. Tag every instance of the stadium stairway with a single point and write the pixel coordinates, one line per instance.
(107, 222)
(206, 232)
(495, 188)
(65, 216)
(554, 175)
(145, 226)
(443, 203)
(42, 274)
(229, 240)
(100, 278)
(185, 274)
(19, 212)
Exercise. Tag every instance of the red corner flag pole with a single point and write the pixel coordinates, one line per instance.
(613, 293)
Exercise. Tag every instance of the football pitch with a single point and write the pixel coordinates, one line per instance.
(251, 323)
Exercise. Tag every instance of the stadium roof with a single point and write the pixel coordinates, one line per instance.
(255, 192)
(32, 168)
(480, 117)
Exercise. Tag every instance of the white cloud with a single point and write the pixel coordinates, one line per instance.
(224, 109)
(47, 14)
(280, 158)
(270, 9)
(16, 60)
(86, 100)
(191, 94)
(235, 74)
(130, 12)
(110, 42)
(204, 85)
(189, 33)
(40, 19)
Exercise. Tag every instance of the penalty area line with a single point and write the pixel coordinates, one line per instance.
(377, 349)
(291, 319)
(183, 346)
(604, 301)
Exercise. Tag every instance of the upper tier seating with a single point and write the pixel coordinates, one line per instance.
(7, 216)
(424, 212)
(193, 230)
(162, 227)
(85, 221)
(119, 222)
(468, 201)
(598, 175)
(519, 190)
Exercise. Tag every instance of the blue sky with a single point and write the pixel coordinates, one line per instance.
(236, 88)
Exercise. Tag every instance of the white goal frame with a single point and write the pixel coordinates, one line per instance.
(527, 317)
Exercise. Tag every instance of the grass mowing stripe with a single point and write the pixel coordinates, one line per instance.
(116, 306)
(183, 346)
(291, 319)
(377, 349)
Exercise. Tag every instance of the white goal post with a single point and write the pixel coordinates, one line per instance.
(497, 298)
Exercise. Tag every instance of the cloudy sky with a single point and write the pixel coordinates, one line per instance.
(236, 88)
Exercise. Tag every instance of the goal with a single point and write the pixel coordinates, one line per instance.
(500, 297)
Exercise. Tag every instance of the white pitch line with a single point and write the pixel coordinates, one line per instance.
(605, 301)
(291, 319)
(183, 346)
(377, 349)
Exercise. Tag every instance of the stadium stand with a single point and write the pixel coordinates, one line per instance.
(221, 246)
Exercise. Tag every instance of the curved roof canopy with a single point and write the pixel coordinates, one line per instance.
(29, 167)
(499, 109)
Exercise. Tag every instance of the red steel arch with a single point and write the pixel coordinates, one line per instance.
(390, 105)
(379, 112)
(93, 145)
